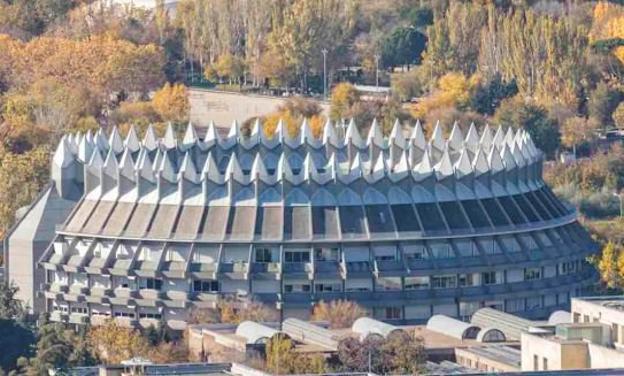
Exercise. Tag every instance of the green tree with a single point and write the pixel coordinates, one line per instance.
(618, 115)
(488, 96)
(602, 103)
(403, 47)
(16, 340)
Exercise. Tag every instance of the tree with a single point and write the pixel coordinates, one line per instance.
(618, 115)
(405, 353)
(172, 103)
(611, 265)
(406, 85)
(339, 313)
(233, 312)
(534, 119)
(488, 96)
(113, 343)
(10, 307)
(344, 97)
(229, 66)
(577, 130)
(403, 47)
(602, 103)
(16, 340)
(453, 90)
(281, 358)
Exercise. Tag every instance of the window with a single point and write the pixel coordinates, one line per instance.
(568, 267)
(297, 256)
(488, 278)
(576, 317)
(148, 315)
(443, 281)
(205, 286)
(441, 251)
(263, 255)
(393, 313)
(150, 283)
(123, 282)
(616, 332)
(416, 283)
(124, 314)
(531, 274)
(297, 287)
(534, 303)
(465, 280)
(545, 364)
(388, 283)
(328, 287)
(414, 252)
(515, 305)
(81, 310)
(326, 254)
(535, 363)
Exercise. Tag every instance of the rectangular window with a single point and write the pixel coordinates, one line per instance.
(130, 315)
(393, 313)
(205, 286)
(465, 280)
(535, 363)
(297, 256)
(534, 303)
(414, 252)
(488, 278)
(514, 305)
(388, 283)
(328, 287)
(545, 364)
(443, 281)
(150, 283)
(263, 255)
(145, 315)
(416, 283)
(326, 254)
(81, 310)
(441, 251)
(531, 274)
(297, 287)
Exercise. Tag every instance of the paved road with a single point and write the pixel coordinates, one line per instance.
(223, 108)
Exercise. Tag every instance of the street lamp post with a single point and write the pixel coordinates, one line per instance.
(619, 196)
(324, 51)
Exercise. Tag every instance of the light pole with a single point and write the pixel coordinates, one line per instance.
(324, 51)
(377, 70)
(619, 196)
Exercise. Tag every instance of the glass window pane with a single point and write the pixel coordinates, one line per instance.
(526, 208)
(352, 221)
(495, 212)
(554, 200)
(545, 214)
(454, 215)
(430, 216)
(325, 222)
(379, 219)
(406, 219)
(512, 210)
(476, 214)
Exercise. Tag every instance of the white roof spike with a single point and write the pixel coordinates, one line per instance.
(234, 131)
(396, 135)
(472, 138)
(424, 168)
(480, 163)
(495, 161)
(445, 166)
(486, 138)
(132, 140)
(401, 168)
(329, 134)
(517, 154)
(234, 169)
(309, 168)
(100, 140)
(115, 141)
(379, 169)
(256, 129)
(437, 139)
(150, 141)
(188, 170)
(418, 137)
(211, 170)
(508, 158)
(85, 148)
(375, 135)
(258, 169)
(456, 138)
(353, 135)
(96, 160)
(509, 136)
(307, 136)
(170, 140)
(499, 137)
(166, 168)
(110, 167)
(283, 169)
(126, 165)
(212, 137)
(279, 131)
(190, 136)
(62, 156)
(146, 170)
(463, 166)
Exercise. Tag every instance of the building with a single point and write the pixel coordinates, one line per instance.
(144, 231)
(592, 339)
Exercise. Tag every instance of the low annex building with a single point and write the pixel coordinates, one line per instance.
(145, 230)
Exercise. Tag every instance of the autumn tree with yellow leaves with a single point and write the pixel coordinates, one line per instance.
(113, 343)
(339, 313)
(172, 103)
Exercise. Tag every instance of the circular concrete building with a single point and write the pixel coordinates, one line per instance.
(405, 226)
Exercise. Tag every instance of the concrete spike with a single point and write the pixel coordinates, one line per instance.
(486, 138)
(145, 167)
(126, 165)
(330, 136)
(309, 168)
(234, 170)
(115, 142)
(307, 137)
(62, 156)
(401, 168)
(150, 141)
(188, 170)
(437, 139)
(509, 136)
(495, 161)
(517, 154)
(211, 170)
(423, 169)
(417, 138)
(258, 169)
(284, 172)
(190, 137)
(96, 161)
(396, 135)
(170, 140)
(456, 138)
(132, 140)
(212, 137)
(166, 169)
(375, 135)
(463, 166)
(110, 167)
(379, 169)
(472, 138)
(100, 140)
(353, 135)
(499, 137)
(507, 157)
(480, 163)
(444, 167)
